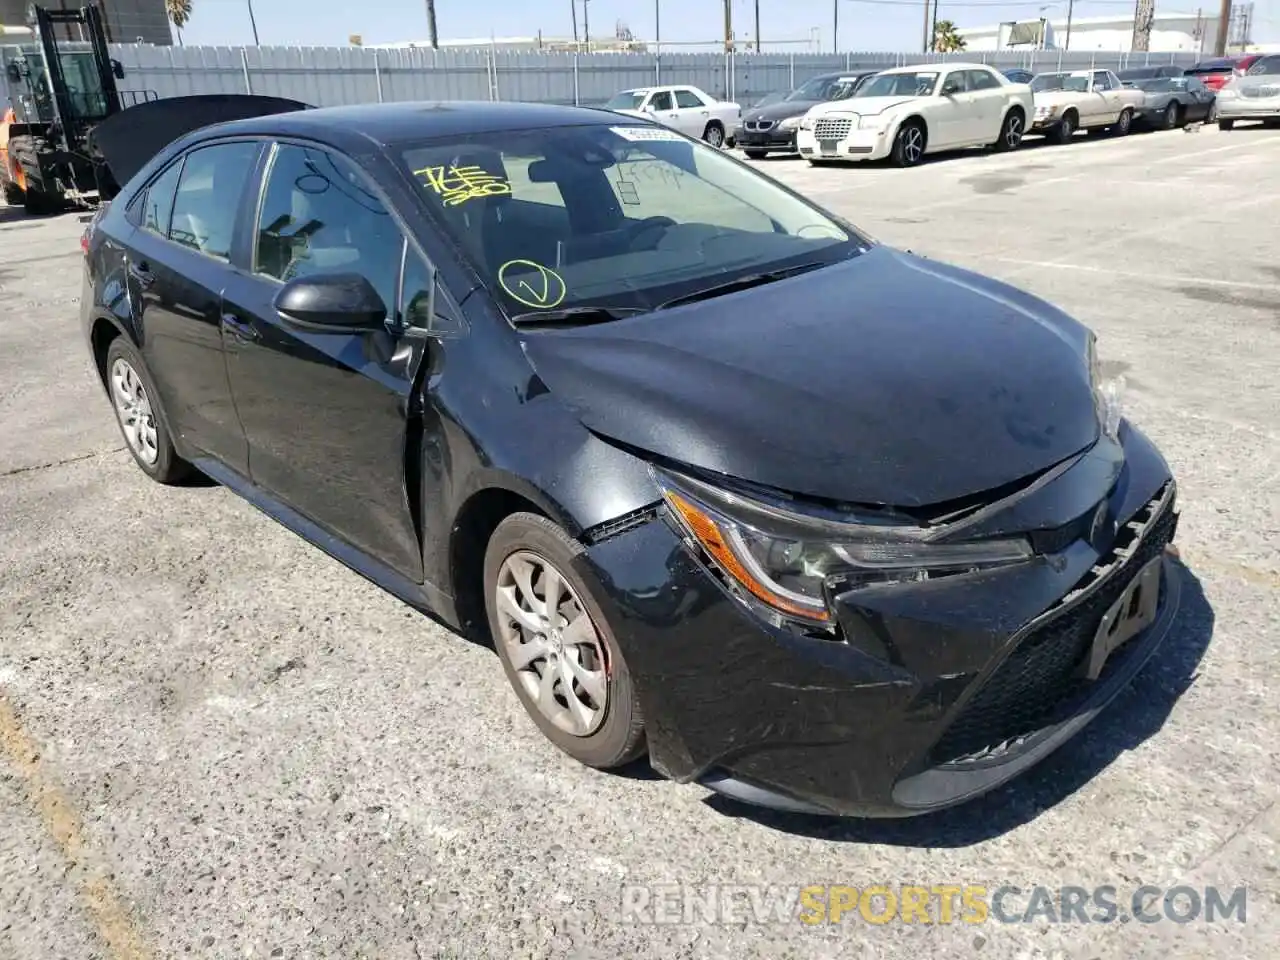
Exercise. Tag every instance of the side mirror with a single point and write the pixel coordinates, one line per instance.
(332, 303)
(648, 108)
(117, 69)
(950, 89)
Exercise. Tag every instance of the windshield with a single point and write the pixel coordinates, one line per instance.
(622, 217)
(1073, 82)
(626, 100)
(900, 85)
(1266, 66)
(815, 89)
(845, 88)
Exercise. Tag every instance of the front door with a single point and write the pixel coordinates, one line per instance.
(1105, 102)
(178, 261)
(954, 112)
(662, 107)
(326, 414)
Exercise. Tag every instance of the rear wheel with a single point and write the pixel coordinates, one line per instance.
(909, 144)
(1226, 124)
(142, 423)
(1124, 124)
(555, 644)
(13, 194)
(1011, 131)
(714, 134)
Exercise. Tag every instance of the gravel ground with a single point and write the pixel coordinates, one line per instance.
(216, 742)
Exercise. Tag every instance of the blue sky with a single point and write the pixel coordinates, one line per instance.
(864, 24)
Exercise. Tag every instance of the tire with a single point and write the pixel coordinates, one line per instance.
(1124, 124)
(1225, 125)
(714, 134)
(1173, 115)
(1011, 132)
(756, 154)
(1066, 128)
(909, 144)
(604, 735)
(14, 195)
(151, 444)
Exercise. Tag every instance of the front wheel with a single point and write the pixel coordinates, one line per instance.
(555, 644)
(1172, 115)
(909, 145)
(1124, 124)
(1011, 132)
(1066, 129)
(714, 134)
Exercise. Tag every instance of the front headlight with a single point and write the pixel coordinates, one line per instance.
(790, 561)
(1108, 394)
(790, 123)
(1045, 111)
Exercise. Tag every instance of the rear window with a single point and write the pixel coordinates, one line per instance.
(1267, 65)
(1213, 66)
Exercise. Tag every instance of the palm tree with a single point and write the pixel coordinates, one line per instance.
(179, 12)
(946, 39)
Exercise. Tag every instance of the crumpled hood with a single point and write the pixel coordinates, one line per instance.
(885, 379)
(862, 106)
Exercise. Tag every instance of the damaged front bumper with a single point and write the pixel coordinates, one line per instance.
(930, 692)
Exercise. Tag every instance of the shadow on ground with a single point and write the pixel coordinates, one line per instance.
(1135, 715)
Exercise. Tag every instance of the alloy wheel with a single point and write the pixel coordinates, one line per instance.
(552, 644)
(1013, 131)
(715, 137)
(912, 145)
(133, 409)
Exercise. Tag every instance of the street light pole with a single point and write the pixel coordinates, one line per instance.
(431, 25)
(586, 26)
(835, 26)
(253, 23)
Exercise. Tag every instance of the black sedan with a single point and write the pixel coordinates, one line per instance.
(815, 522)
(771, 128)
(1173, 101)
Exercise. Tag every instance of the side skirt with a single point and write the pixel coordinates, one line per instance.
(421, 596)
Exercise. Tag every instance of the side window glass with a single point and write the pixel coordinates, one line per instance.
(208, 196)
(981, 80)
(319, 216)
(688, 99)
(157, 205)
(661, 101)
(1100, 82)
(415, 292)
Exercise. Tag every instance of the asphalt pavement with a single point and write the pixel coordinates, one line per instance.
(216, 742)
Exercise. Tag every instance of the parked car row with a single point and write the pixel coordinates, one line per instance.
(906, 113)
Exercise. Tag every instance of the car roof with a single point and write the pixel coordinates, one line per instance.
(392, 123)
(936, 67)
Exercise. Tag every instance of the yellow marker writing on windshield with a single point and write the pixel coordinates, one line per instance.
(535, 286)
(456, 185)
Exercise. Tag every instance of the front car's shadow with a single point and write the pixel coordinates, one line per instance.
(1136, 714)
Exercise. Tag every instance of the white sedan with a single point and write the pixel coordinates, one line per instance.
(907, 112)
(690, 110)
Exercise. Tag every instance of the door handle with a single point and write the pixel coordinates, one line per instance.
(242, 331)
(142, 273)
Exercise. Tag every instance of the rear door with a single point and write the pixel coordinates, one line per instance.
(178, 262)
(694, 112)
(325, 414)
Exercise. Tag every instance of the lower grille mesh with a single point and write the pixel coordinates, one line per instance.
(1037, 685)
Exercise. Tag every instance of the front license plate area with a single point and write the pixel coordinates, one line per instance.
(1134, 610)
(828, 148)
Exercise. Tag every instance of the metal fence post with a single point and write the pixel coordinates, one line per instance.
(791, 71)
(657, 69)
(244, 65)
(377, 74)
(848, 61)
(576, 101)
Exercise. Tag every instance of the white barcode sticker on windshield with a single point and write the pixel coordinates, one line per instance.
(640, 134)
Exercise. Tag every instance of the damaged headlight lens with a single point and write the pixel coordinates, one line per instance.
(787, 560)
(1108, 394)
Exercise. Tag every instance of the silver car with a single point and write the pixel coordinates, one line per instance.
(1255, 95)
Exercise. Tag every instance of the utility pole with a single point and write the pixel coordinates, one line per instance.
(1143, 13)
(431, 25)
(728, 25)
(657, 26)
(925, 47)
(933, 29)
(573, 10)
(835, 26)
(1071, 9)
(757, 26)
(586, 26)
(1224, 27)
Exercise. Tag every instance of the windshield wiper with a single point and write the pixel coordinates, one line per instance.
(742, 283)
(573, 316)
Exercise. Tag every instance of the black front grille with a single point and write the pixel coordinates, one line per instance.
(1039, 684)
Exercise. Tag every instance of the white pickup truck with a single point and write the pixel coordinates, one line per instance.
(1082, 100)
